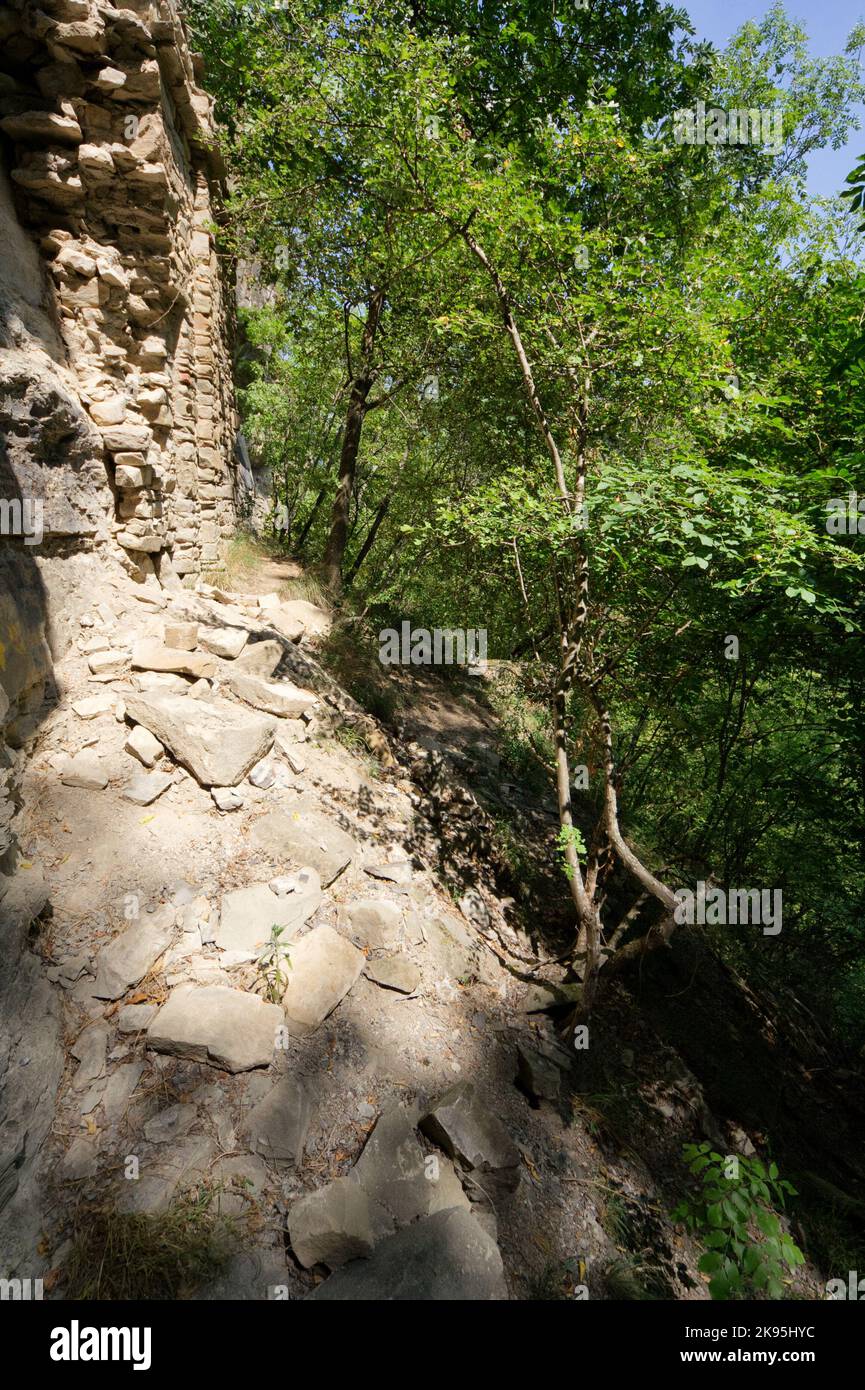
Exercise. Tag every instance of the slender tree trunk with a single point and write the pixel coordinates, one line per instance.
(307, 525)
(358, 405)
(586, 891)
(383, 509)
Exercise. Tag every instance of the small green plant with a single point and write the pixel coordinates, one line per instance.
(569, 835)
(737, 1198)
(274, 956)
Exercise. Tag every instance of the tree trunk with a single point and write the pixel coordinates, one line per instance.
(368, 544)
(355, 415)
(307, 525)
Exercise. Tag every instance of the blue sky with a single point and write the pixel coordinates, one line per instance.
(828, 23)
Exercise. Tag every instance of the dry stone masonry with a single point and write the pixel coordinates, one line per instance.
(114, 338)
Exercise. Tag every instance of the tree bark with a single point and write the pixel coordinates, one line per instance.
(358, 405)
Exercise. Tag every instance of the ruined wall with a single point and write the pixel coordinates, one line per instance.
(117, 418)
(112, 177)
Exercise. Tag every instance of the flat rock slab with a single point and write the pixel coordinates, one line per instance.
(398, 871)
(126, 960)
(374, 921)
(94, 705)
(85, 770)
(227, 642)
(332, 1225)
(399, 1177)
(261, 658)
(449, 1256)
(313, 620)
(145, 787)
(475, 1138)
(249, 914)
(324, 966)
(277, 1126)
(215, 1024)
(305, 837)
(150, 655)
(281, 698)
(216, 740)
(394, 972)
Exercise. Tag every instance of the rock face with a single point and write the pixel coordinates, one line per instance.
(449, 1256)
(117, 418)
(215, 1024)
(216, 740)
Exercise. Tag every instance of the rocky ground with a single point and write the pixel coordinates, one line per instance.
(381, 1114)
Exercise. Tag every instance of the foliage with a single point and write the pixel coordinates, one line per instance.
(273, 962)
(734, 1215)
(693, 324)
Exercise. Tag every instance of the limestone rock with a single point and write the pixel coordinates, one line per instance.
(150, 655)
(277, 1126)
(538, 1072)
(332, 1225)
(145, 787)
(263, 775)
(227, 642)
(447, 1257)
(134, 1018)
(324, 966)
(398, 1177)
(274, 697)
(127, 959)
(313, 621)
(394, 972)
(374, 922)
(261, 658)
(215, 1024)
(107, 663)
(90, 1049)
(292, 755)
(248, 914)
(217, 741)
(85, 770)
(305, 836)
(226, 798)
(182, 636)
(143, 746)
(397, 872)
(473, 1137)
(94, 705)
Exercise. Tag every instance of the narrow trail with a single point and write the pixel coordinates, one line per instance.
(332, 1144)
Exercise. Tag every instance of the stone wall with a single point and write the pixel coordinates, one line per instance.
(117, 419)
(122, 357)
